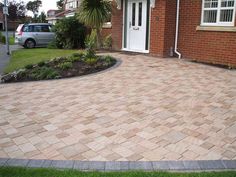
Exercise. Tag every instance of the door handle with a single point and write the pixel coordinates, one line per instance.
(136, 28)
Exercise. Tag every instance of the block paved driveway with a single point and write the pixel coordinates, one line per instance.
(146, 109)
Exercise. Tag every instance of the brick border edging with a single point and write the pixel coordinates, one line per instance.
(201, 165)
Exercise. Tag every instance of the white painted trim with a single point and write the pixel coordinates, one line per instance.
(219, 8)
(137, 51)
(123, 28)
(177, 30)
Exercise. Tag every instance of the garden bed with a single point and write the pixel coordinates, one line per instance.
(77, 64)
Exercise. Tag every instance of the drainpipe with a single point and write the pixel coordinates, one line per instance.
(177, 30)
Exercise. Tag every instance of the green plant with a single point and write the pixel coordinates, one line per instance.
(1, 37)
(65, 66)
(29, 66)
(107, 44)
(41, 63)
(81, 53)
(44, 73)
(70, 33)
(94, 13)
(52, 45)
(91, 61)
(90, 44)
(74, 59)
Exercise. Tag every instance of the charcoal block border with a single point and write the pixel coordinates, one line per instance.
(185, 166)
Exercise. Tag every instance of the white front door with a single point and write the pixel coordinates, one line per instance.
(136, 27)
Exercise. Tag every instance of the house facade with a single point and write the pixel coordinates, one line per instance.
(69, 10)
(1, 20)
(201, 30)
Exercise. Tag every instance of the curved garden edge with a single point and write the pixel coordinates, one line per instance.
(115, 65)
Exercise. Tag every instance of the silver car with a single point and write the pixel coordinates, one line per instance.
(34, 34)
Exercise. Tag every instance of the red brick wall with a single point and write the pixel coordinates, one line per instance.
(157, 28)
(106, 32)
(205, 46)
(170, 26)
(117, 27)
(162, 27)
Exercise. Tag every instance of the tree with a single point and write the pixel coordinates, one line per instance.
(60, 4)
(33, 6)
(42, 18)
(70, 33)
(94, 13)
(16, 10)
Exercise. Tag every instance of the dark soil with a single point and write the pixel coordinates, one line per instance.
(56, 69)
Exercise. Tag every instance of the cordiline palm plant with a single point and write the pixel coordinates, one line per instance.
(94, 13)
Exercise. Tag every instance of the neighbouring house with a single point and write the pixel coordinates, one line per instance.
(1, 20)
(54, 15)
(69, 10)
(202, 30)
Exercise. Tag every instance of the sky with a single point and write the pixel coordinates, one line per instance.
(46, 5)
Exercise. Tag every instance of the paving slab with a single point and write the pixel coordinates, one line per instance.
(146, 109)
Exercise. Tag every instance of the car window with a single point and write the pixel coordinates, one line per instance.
(28, 28)
(50, 28)
(45, 28)
(37, 28)
(41, 28)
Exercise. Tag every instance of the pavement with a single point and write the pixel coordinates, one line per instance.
(147, 109)
(4, 58)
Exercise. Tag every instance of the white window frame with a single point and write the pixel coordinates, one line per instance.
(219, 8)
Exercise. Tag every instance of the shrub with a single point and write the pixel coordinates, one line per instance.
(42, 63)
(70, 33)
(107, 42)
(76, 56)
(108, 60)
(91, 61)
(90, 43)
(81, 53)
(65, 65)
(3, 40)
(29, 66)
(52, 45)
(74, 59)
(44, 73)
(1, 36)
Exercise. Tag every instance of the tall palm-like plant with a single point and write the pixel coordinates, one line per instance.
(94, 13)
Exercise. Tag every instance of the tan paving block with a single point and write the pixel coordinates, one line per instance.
(27, 147)
(142, 109)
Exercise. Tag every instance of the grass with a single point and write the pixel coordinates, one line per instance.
(23, 57)
(11, 40)
(30, 172)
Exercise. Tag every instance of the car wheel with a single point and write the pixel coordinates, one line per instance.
(29, 44)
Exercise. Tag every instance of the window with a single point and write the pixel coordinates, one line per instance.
(218, 12)
(133, 13)
(28, 28)
(140, 14)
(41, 28)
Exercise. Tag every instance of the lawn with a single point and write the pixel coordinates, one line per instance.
(29, 172)
(23, 57)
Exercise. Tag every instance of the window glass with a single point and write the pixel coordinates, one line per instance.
(28, 28)
(133, 13)
(140, 6)
(41, 28)
(45, 28)
(37, 29)
(218, 12)
(210, 16)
